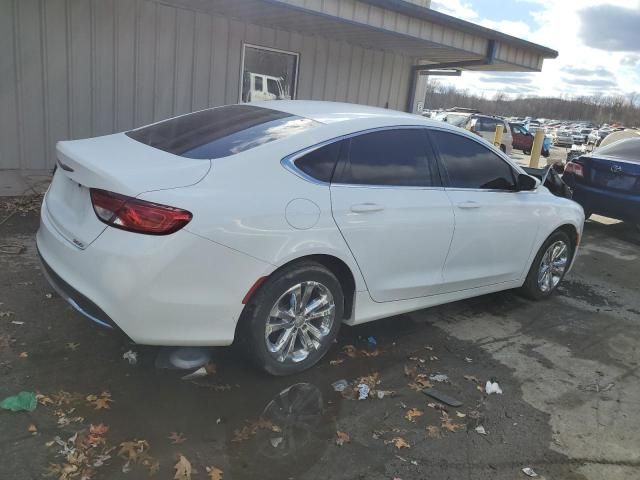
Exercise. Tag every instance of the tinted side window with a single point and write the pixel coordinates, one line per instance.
(469, 164)
(321, 162)
(389, 157)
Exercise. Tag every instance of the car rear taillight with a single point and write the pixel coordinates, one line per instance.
(134, 215)
(575, 168)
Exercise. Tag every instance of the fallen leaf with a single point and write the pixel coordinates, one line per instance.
(433, 431)
(100, 402)
(450, 426)
(23, 355)
(471, 378)
(400, 442)
(177, 438)
(350, 351)
(371, 353)
(182, 468)
(412, 414)
(72, 346)
(43, 399)
(420, 382)
(337, 361)
(214, 473)
(6, 313)
(132, 450)
(32, 428)
(460, 414)
(342, 438)
(437, 406)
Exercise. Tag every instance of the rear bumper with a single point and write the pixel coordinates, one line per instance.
(178, 289)
(621, 206)
(79, 302)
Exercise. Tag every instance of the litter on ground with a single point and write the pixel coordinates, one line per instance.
(23, 401)
(340, 385)
(363, 391)
(492, 387)
(529, 472)
(131, 357)
(442, 397)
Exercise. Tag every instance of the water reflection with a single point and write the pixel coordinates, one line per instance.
(294, 429)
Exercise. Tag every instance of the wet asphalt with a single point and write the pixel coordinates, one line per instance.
(553, 360)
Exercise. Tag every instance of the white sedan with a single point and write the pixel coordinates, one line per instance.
(272, 224)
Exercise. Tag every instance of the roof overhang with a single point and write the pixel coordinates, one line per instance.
(398, 26)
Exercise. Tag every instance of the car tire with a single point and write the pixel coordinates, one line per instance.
(545, 274)
(292, 341)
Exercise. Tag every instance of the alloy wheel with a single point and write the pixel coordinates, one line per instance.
(552, 266)
(299, 321)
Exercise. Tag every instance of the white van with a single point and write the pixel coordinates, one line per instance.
(266, 87)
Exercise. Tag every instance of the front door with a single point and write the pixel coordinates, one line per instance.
(392, 211)
(495, 225)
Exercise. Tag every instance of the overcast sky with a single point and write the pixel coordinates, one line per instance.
(598, 43)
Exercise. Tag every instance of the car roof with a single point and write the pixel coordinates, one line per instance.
(332, 112)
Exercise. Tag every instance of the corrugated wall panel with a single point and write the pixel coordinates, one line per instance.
(30, 84)
(81, 68)
(9, 110)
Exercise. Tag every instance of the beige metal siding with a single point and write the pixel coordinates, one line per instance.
(81, 68)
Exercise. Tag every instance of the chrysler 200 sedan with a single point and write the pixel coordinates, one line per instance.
(271, 224)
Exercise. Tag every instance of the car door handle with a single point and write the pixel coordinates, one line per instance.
(468, 205)
(366, 208)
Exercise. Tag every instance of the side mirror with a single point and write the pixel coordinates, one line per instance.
(526, 183)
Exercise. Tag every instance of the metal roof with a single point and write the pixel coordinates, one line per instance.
(424, 13)
(427, 36)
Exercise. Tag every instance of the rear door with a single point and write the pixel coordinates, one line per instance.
(390, 207)
(495, 226)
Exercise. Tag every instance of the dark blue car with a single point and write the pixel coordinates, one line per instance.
(607, 181)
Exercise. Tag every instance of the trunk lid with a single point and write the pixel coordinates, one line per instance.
(612, 173)
(116, 163)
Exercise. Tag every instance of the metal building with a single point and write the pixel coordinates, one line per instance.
(81, 68)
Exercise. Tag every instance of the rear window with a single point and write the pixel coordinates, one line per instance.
(221, 132)
(628, 149)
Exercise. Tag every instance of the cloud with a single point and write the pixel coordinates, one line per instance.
(587, 82)
(611, 28)
(520, 78)
(630, 60)
(556, 24)
(587, 72)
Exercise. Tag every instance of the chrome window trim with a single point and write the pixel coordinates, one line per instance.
(288, 162)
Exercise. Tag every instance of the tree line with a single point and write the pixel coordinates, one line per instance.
(598, 109)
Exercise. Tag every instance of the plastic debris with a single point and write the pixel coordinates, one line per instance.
(529, 472)
(340, 385)
(276, 441)
(372, 341)
(17, 322)
(442, 397)
(23, 401)
(492, 387)
(363, 391)
(480, 429)
(468, 359)
(48, 295)
(199, 373)
(384, 393)
(439, 377)
(131, 357)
